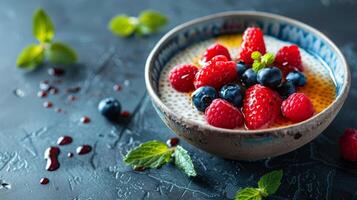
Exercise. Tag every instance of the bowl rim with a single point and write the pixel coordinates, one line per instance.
(156, 99)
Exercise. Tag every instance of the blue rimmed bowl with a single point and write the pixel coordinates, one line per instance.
(247, 144)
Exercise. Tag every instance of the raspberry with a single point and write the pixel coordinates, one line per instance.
(261, 107)
(223, 115)
(219, 58)
(216, 74)
(348, 144)
(288, 58)
(253, 40)
(214, 50)
(181, 77)
(297, 107)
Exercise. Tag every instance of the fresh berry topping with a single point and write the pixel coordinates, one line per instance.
(261, 106)
(348, 144)
(216, 74)
(297, 78)
(297, 107)
(270, 77)
(241, 67)
(232, 93)
(219, 58)
(286, 89)
(252, 41)
(110, 108)
(289, 57)
(249, 78)
(214, 50)
(181, 77)
(223, 115)
(203, 97)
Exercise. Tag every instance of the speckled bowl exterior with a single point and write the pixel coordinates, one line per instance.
(247, 144)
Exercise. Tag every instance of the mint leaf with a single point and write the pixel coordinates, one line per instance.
(60, 53)
(30, 57)
(122, 25)
(271, 181)
(183, 161)
(43, 28)
(152, 21)
(256, 55)
(257, 66)
(248, 194)
(152, 154)
(268, 59)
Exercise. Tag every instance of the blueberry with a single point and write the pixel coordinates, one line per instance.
(249, 77)
(286, 89)
(297, 78)
(203, 97)
(110, 108)
(232, 93)
(270, 77)
(241, 67)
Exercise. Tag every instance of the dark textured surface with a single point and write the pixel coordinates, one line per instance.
(27, 129)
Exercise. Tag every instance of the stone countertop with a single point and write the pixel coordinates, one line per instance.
(314, 171)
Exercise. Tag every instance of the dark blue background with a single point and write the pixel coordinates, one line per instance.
(315, 171)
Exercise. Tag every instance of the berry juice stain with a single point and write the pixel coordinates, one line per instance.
(64, 140)
(85, 120)
(54, 71)
(51, 156)
(172, 142)
(47, 104)
(84, 149)
(117, 87)
(125, 114)
(73, 89)
(44, 181)
(42, 94)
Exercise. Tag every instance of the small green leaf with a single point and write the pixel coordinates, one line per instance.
(248, 194)
(30, 57)
(183, 161)
(60, 53)
(256, 55)
(271, 181)
(152, 20)
(122, 25)
(257, 66)
(152, 154)
(43, 28)
(268, 59)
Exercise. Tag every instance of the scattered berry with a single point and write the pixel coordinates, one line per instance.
(270, 77)
(232, 93)
(216, 74)
(286, 89)
(288, 57)
(241, 67)
(181, 77)
(348, 144)
(110, 108)
(252, 41)
(297, 78)
(223, 115)
(214, 50)
(203, 97)
(261, 107)
(249, 77)
(297, 107)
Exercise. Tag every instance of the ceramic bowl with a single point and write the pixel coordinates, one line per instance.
(247, 144)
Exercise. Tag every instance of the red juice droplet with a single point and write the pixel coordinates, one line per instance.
(84, 149)
(47, 104)
(172, 142)
(64, 140)
(44, 181)
(51, 156)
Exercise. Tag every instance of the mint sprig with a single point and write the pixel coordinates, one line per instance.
(154, 154)
(261, 61)
(146, 23)
(34, 55)
(267, 185)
